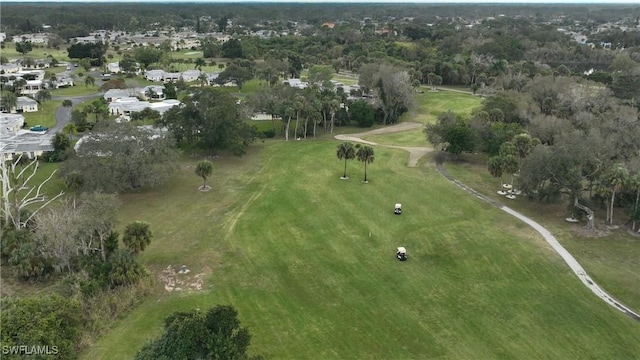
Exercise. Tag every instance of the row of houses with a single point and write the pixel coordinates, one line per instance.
(125, 102)
(186, 76)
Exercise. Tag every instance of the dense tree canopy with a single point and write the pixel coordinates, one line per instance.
(122, 157)
(212, 120)
(215, 334)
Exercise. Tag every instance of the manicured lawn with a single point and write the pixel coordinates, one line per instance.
(78, 90)
(432, 104)
(612, 260)
(308, 260)
(405, 138)
(45, 115)
(37, 53)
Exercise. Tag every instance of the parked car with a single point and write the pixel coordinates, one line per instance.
(39, 128)
(106, 77)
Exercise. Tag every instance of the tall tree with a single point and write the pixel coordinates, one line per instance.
(346, 151)
(89, 80)
(204, 169)
(43, 96)
(614, 180)
(366, 155)
(9, 100)
(74, 181)
(123, 157)
(212, 120)
(20, 193)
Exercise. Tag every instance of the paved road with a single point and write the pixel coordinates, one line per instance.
(63, 114)
(414, 155)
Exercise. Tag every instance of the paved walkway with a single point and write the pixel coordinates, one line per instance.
(415, 153)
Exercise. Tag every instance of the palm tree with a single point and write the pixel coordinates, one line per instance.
(203, 79)
(9, 100)
(70, 129)
(43, 95)
(615, 179)
(346, 151)
(634, 184)
(137, 236)
(74, 182)
(366, 155)
(89, 80)
(199, 63)
(18, 84)
(495, 167)
(67, 103)
(204, 169)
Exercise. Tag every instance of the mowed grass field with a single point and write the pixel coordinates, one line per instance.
(430, 105)
(612, 261)
(309, 262)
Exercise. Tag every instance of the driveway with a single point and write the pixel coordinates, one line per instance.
(63, 114)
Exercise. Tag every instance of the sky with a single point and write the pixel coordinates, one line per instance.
(636, 2)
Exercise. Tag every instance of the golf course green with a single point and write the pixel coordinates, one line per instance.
(308, 260)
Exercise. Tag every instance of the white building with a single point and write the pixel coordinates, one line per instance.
(151, 92)
(26, 104)
(42, 38)
(190, 75)
(116, 94)
(113, 68)
(32, 87)
(296, 83)
(154, 75)
(127, 106)
(15, 141)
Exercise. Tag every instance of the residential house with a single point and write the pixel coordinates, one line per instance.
(91, 39)
(63, 81)
(15, 142)
(10, 68)
(127, 106)
(296, 83)
(26, 104)
(113, 68)
(32, 87)
(190, 75)
(154, 75)
(151, 92)
(41, 38)
(116, 94)
(11, 123)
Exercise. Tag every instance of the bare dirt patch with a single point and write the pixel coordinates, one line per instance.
(178, 279)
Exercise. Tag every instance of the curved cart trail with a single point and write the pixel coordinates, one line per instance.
(415, 153)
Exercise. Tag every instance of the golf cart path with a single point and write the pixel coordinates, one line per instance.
(415, 153)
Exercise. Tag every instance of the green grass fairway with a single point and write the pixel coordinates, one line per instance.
(612, 261)
(37, 53)
(405, 138)
(309, 262)
(432, 104)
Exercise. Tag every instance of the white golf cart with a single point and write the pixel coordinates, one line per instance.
(398, 209)
(401, 254)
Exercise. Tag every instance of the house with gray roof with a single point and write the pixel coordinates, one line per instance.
(15, 142)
